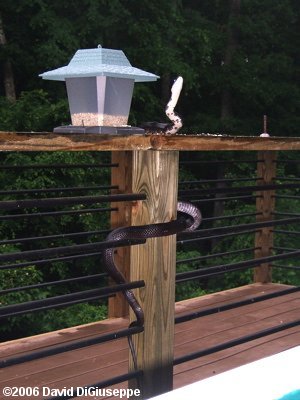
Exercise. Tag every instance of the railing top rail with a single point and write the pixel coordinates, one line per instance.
(49, 141)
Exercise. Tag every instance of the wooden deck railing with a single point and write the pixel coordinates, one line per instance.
(148, 167)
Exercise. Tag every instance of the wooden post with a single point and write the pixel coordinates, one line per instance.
(155, 173)
(122, 177)
(265, 206)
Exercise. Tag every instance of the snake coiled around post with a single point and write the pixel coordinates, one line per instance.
(188, 220)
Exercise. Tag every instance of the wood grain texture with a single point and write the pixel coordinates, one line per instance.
(121, 176)
(265, 206)
(155, 174)
(49, 141)
(91, 364)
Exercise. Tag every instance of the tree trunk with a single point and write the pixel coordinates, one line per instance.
(8, 76)
(232, 43)
(226, 100)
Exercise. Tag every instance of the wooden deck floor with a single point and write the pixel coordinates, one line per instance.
(95, 363)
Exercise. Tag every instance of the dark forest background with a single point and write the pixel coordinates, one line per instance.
(239, 59)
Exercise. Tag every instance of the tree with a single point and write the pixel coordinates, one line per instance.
(8, 76)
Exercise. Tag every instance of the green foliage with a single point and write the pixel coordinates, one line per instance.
(192, 288)
(261, 76)
(39, 178)
(33, 111)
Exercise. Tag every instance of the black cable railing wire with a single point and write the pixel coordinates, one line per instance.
(58, 166)
(67, 201)
(236, 304)
(215, 255)
(230, 217)
(57, 213)
(216, 181)
(65, 347)
(285, 214)
(206, 272)
(55, 237)
(50, 260)
(225, 199)
(288, 161)
(294, 267)
(236, 342)
(64, 253)
(95, 294)
(67, 250)
(58, 189)
(237, 228)
(232, 230)
(65, 300)
(216, 162)
(194, 193)
(92, 277)
(220, 269)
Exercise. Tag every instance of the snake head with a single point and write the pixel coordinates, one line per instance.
(176, 89)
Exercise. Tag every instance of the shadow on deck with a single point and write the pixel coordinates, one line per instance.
(100, 362)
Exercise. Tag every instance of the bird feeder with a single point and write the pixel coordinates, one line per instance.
(99, 85)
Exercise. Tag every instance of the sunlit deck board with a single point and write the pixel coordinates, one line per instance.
(95, 363)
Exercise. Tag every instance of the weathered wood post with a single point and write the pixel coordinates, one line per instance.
(155, 173)
(265, 206)
(121, 176)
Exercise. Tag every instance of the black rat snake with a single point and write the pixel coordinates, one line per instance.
(181, 224)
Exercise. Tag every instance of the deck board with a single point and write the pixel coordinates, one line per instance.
(103, 361)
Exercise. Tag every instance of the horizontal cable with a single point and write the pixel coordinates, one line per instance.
(221, 269)
(236, 304)
(236, 342)
(223, 236)
(288, 161)
(67, 201)
(49, 261)
(54, 237)
(195, 162)
(51, 166)
(57, 213)
(286, 266)
(64, 347)
(238, 228)
(284, 178)
(65, 250)
(214, 199)
(202, 258)
(277, 196)
(65, 299)
(61, 190)
(286, 214)
(53, 283)
(283, 248)
(242, 189)
(242, 215)
(202, 181)
(286, 232)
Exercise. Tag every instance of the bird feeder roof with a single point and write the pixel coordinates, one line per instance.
(99, 62)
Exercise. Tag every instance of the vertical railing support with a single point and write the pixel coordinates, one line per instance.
(121, 176)
(265, 206)
(155, 173)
